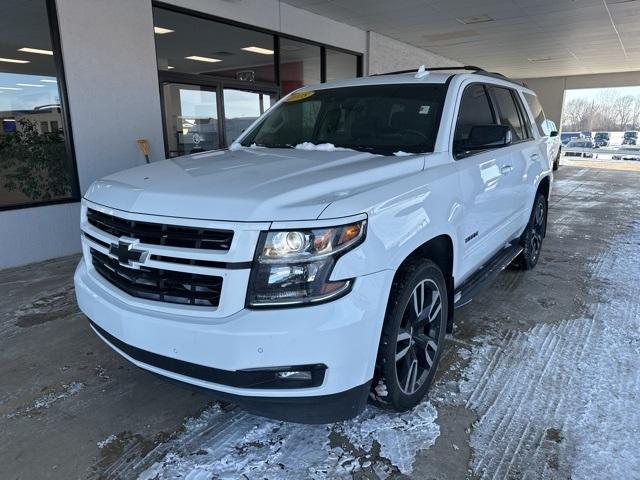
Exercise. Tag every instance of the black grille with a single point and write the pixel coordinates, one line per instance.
(161, 285)
(161, 234)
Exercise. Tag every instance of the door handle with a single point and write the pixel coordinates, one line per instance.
(506, 169)
(535, 157)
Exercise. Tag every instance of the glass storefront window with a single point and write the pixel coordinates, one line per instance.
(341, 65)
(191, 119)
(35, 160)
(192, 45)
(299, 65)
(241, 109)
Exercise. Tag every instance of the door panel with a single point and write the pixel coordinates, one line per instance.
(485, 207)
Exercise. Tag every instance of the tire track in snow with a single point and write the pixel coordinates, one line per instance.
(561, 400)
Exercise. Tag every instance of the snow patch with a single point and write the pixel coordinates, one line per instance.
(400, 153)
(110, 439)
(237, 445)
(320, 147)
(46, 401)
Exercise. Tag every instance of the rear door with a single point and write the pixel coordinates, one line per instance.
(523, 159)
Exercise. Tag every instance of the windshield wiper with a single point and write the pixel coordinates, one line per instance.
(274, 145)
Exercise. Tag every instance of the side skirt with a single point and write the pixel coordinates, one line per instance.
(485, 275)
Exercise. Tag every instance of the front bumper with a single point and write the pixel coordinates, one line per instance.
(342, 335)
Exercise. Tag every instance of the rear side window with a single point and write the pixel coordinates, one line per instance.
(538, 114)
(475, 109)
(508, 112)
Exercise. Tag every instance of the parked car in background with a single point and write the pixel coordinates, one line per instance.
(601, 139)
(566, 137)
(628, 153)
(579, 148)
(316, 264)
(630, 137)
(586, 134)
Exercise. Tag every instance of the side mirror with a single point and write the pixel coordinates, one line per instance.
(484, 137)
(553, 134)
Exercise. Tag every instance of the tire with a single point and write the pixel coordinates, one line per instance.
(412, 337)
(533, 235)
(556, 162)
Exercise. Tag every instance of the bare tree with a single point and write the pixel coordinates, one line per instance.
(623, 108)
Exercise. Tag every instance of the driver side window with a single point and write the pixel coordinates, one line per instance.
(475, 109)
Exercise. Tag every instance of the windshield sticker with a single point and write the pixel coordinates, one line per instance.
(424, 109)
(297, 96)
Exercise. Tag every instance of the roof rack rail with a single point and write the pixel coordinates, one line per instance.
(471, 68)
(433, 69)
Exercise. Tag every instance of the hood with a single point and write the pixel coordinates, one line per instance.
(249, 184)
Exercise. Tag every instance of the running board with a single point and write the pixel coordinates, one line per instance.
(483, 277)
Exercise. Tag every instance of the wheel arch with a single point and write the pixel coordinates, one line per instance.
(544, 187)
(440, 250)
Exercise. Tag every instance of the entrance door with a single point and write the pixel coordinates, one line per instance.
(241, 109)
(192, 119)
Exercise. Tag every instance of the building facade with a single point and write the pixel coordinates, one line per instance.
(82, 81)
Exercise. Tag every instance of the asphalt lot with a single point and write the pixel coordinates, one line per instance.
(72, 408)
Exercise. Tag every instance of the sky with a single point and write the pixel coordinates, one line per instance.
(593, 93)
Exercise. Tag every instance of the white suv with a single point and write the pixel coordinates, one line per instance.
(318, 261)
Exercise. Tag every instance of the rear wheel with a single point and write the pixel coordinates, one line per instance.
(412, 336)
(531, 239)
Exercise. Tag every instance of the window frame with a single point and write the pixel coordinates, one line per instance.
(512, 92)
(56, 47)
(494, 114)
(220, 83)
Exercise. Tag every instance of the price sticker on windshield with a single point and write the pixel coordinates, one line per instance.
(297, 96)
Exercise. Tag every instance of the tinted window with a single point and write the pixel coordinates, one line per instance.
(193, 45)
(380, 119)
(35, 157)
(341, 65)
(508, 112)
(474, 110)
(299, 65)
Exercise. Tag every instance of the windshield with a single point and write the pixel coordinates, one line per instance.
(383, 119)
(630, 134)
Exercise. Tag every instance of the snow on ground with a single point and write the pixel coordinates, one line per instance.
(236, 445)
(562, 400)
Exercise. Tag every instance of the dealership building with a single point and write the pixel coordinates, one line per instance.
(81, 81)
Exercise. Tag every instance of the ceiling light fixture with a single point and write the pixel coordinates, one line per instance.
(10, 88)
(35, 50)
(475, 19)
(198, 58)
(13, 60)
(46, 80)
(169, 67)
(29, 85)
(161, 30)
(260, 50)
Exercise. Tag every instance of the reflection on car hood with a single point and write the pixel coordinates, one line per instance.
(256, 184)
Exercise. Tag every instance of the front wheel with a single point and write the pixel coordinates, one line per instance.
(413, 335)
(531, 238)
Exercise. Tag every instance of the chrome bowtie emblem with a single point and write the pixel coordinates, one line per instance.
(126, 254)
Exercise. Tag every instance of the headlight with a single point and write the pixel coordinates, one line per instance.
(293, 267)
